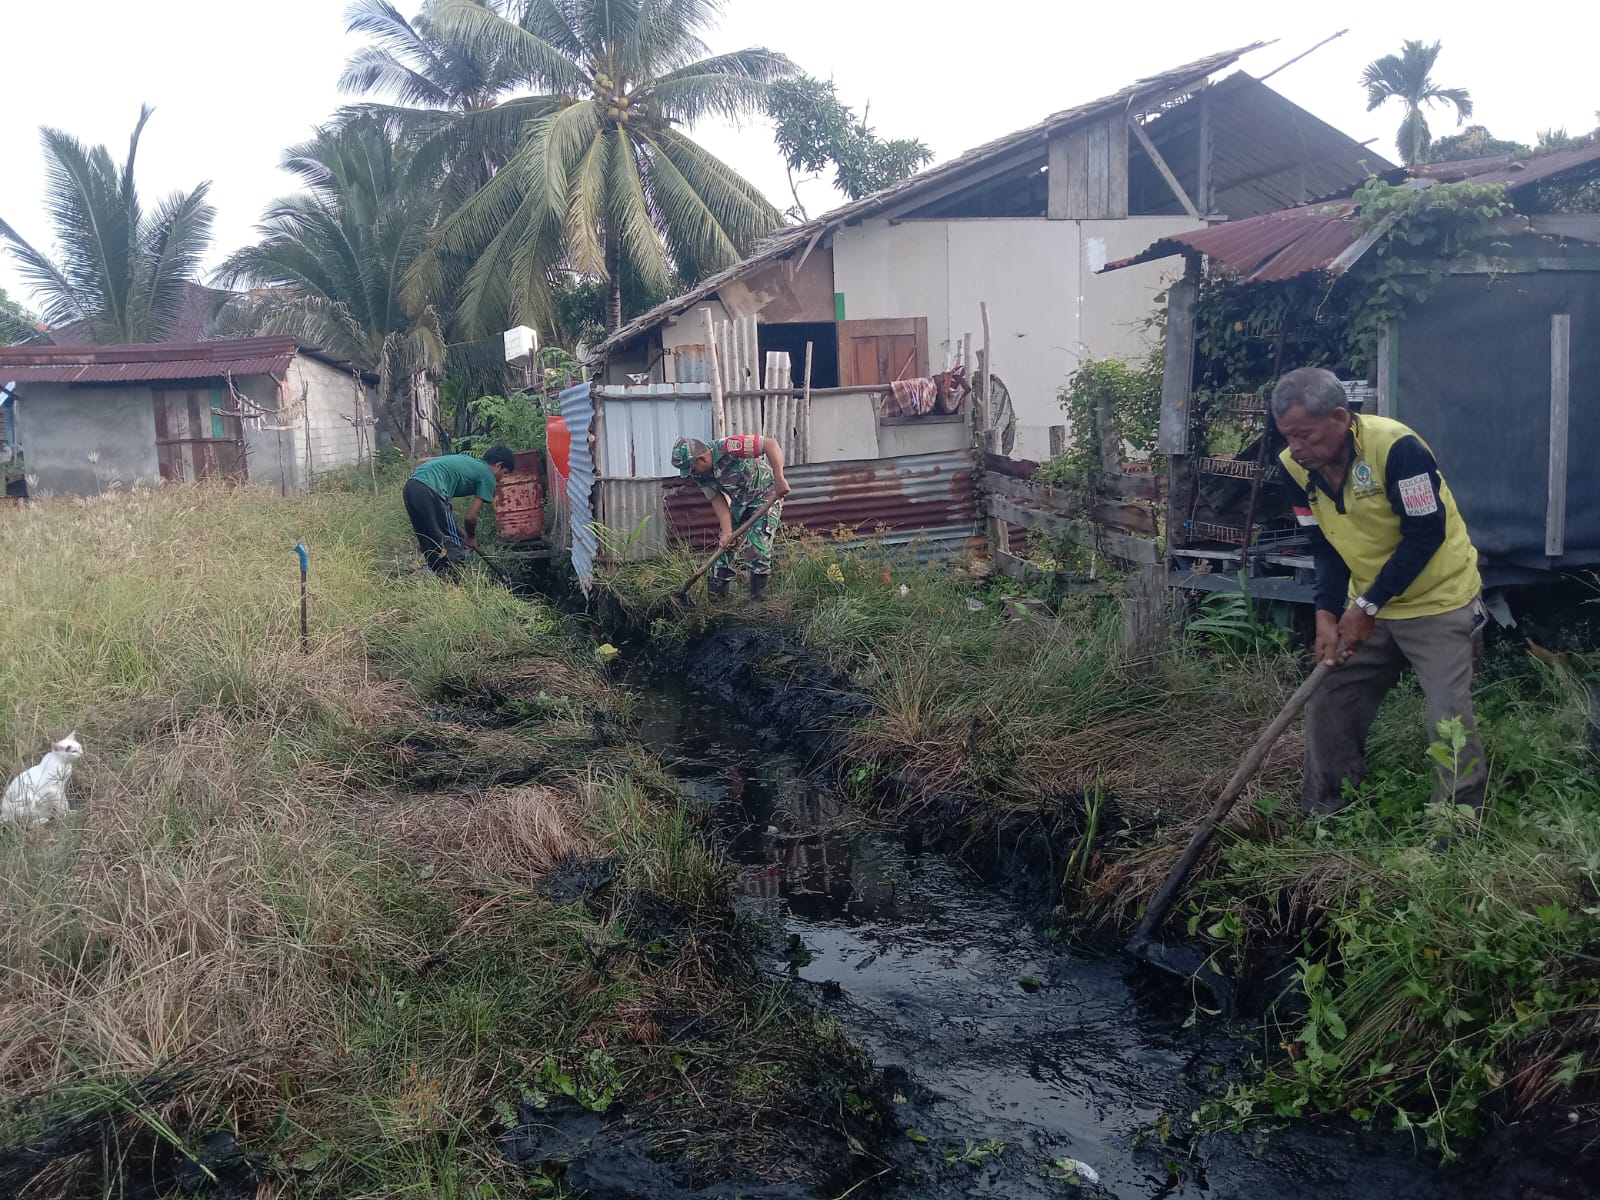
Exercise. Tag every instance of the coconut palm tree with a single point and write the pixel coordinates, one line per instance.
(450, 99)
(603, 180)
(1408, 77)
(329, 266)
(122, 274)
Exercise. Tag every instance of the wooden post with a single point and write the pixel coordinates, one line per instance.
(1555, 517)
(1177, 381)
(805, 407)
(972, 402)
(719, 415)
(987, 424)
(1108, 441)
(1144, 612)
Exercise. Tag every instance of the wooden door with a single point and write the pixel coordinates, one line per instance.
(196, 437)
(882, 351)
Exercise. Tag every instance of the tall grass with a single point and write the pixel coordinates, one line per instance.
(251, 921)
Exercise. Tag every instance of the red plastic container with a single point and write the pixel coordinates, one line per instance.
(560, 439)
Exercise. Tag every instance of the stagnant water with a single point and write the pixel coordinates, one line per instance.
(1020, 1066)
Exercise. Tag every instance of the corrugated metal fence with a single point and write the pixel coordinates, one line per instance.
(577, 410)
(927, 502)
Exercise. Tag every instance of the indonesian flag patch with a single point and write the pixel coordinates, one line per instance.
(1416, 496)
(1305, 516)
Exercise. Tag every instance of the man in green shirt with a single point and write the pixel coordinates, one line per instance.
(437, 482)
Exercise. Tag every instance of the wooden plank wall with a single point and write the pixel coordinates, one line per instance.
(1089, 171)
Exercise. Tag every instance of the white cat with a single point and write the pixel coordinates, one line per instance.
(40, 793)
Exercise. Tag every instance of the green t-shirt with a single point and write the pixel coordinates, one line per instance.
(456, 475)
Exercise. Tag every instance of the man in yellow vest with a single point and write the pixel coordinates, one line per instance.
(1396, 582)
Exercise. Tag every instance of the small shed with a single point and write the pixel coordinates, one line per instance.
(267, 410)
(1497, 368)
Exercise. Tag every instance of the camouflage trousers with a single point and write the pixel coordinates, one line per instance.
(755, 552)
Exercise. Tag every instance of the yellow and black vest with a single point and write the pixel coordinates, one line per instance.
(1366, 533)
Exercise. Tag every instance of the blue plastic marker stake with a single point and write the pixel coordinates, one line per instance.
(305, 627)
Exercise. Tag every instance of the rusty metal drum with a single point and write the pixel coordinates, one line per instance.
(519, 501)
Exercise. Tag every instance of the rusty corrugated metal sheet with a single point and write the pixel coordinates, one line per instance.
(1277, 245)
(923, 498)
(1312, 237)
(158, 361)
(1511, 172)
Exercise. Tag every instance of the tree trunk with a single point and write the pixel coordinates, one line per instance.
(424, 411)
(613, 283)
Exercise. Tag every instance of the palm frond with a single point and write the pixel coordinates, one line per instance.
(83, 198)
(587, 199)
(484, 33)
(547, 21)
(693, 231)
(1383, 78)
(688, 98)
(372, 69)
(170, 254)
(1459, 97)
(629, 215)
(388, 26)
(1414, 137)
(744, 214)
(661, 36)
(62, 303)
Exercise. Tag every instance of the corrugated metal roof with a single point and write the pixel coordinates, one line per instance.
(578, 411)
(1512, 172)
(1325, 237)
(789, 240)
(1278, 245)
(148, 362)
(1267, 151)
(926, 499)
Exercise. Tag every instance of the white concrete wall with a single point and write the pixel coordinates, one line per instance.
(330, 395)
(1048, 311)
(60, 426)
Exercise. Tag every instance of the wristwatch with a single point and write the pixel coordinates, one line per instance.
(1366, 606)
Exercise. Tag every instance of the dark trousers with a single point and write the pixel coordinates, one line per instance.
(1443, 651)
(434, 524)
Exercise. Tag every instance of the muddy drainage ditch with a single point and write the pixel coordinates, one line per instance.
(1017, 1068)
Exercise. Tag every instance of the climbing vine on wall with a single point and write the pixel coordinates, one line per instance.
(1336, 322)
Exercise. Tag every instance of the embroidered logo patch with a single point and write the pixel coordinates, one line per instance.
(1363, 475)
(1416, 495)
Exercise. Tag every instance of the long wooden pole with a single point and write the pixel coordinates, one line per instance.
(1208, 826)
(683, 592)
(805, 404)
(986, 424)
(719, 414)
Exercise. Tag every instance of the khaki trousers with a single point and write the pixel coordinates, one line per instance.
(1443, 650)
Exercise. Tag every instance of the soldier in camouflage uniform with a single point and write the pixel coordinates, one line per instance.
(738, 475)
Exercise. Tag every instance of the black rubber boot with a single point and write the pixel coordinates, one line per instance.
(717, 589)
(758, 588)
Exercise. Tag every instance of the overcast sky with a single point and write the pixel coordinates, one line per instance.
(234, 82)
